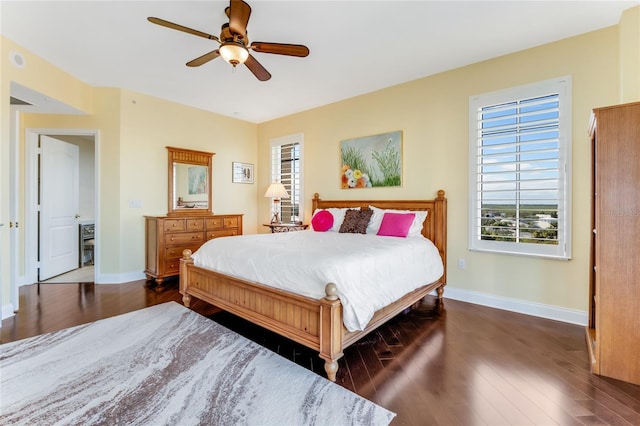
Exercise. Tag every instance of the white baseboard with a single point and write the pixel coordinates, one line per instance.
(21, 280)
(120, 278)
(104, 278)
(551, 312)
(7, 311)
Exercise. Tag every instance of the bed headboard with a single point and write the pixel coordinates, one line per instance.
(434, 227)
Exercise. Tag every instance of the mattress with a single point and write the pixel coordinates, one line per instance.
(370, 271)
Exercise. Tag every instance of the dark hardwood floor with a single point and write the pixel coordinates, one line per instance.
(457, 364)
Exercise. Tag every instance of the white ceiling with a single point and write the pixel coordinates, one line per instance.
(356, 46)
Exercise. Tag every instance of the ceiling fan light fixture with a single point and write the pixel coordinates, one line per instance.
(234, 53)
(233, 43)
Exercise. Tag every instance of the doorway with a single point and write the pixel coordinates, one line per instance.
(87, 142)
(23, 253)
(59, 207)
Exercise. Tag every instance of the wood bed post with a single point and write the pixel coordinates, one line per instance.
(331, 330)
(184, 276)
(440, 239)
(314, 202)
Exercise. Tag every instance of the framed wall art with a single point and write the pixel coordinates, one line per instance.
(197, 180)
(371, 161)
(242, 173)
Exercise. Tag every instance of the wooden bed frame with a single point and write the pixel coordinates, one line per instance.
(314, 323)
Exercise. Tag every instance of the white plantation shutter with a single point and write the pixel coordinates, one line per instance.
(286, 167)
(519, 148)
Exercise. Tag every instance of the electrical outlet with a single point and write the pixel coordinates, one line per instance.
(462, 264)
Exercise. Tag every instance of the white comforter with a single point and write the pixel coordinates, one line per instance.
(370, 271)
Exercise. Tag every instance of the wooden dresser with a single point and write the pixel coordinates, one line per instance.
(613, 334)
(168, 236)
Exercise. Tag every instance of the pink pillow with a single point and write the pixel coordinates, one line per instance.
(396, 224)
(322, 221)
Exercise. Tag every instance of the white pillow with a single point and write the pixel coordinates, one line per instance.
(338, 216)
(378, 214)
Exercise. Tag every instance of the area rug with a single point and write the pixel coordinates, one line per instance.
(166, 365)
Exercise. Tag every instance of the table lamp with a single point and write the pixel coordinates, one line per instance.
(276, 191)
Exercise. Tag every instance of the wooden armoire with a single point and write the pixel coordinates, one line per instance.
(613, 334)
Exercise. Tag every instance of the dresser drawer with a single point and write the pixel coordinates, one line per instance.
(195, 224)
(172, 267)
(221, 233)
(176, 252)
(215, 223)
(183, 238)
(174, 225)
(230, 222)
(168, 236)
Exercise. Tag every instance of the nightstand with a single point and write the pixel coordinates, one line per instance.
(286, 227)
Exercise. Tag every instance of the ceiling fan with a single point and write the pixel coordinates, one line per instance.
(234, 43)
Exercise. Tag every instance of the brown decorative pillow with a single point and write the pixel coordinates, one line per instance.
(355, 221)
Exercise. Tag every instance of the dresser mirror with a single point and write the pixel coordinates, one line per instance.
(189, 182)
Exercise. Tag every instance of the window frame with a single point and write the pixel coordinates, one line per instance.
(562, 87)
(276, 174)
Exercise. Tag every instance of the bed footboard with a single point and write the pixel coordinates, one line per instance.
(316, 324)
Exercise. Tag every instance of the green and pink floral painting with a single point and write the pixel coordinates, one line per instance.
(371, 161)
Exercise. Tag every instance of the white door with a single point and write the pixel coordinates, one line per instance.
(59, 204)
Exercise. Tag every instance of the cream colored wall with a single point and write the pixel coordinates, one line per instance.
(629, 55)
(133, 166)
(431, 112)
(39, 75)
(133, 131)
(5, 118)
(148, 126)
(433, 115)
(106, 120)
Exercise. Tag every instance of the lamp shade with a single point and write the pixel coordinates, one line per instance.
(234, 53)
(276, 190)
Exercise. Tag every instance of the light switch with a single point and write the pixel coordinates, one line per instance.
(135, 204)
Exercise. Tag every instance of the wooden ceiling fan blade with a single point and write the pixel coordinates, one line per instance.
(239, 13)
(182, 28)
(204, 59)
(280, 48)
(225, 32)
(257, 69)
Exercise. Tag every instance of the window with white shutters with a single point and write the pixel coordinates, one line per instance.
(286, 168)
(519, 170)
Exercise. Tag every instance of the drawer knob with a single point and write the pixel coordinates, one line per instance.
(174, 225)
(172, 238)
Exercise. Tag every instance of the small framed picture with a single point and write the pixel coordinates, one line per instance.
(242, 173)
